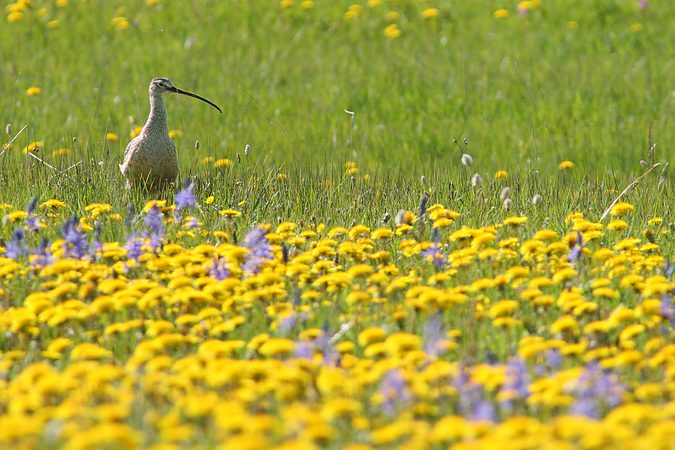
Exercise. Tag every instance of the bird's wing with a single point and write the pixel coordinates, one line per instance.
(130, 146)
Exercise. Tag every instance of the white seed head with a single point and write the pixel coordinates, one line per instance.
(398, 219)
(8, 129)
(537, 199)
(197, 144)
(507, 203)
(505, 193)
(467, 160)
(476, 180)
(247, 150)
(644, 163)
(424, 180)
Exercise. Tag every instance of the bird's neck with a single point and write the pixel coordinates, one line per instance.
(157, 119)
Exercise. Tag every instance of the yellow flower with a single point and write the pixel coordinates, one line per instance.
(501, 13)
(392, 31)
(33, 147)
(53, 24)
(111, 137)
(52, 204)
(307, 4)
(621, 209)
(393, 15)
(173, 134)
(515, 221)
(223, 162)
(500, 174)
(14, 16)
(60, 152)
(277, 347)
(229, 213)
(209, 200)
(135, 132)
(617, 225)
(566, 165)
(430, 13)
(374, 3)
(565, 324)
(571, 24)
(286, 3)
(120, 23)
(33, 91)
(635, 27)
(371, 335)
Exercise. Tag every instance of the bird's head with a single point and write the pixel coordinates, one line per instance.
(161, 85)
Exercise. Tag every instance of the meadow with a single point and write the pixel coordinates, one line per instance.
(417, 224)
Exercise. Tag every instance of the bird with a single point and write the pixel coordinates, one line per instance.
(150, 158)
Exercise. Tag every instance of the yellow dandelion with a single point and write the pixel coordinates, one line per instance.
(621, 209)
(229, 213)
(60, 152)
(33, 91)
(223, 162)
(53, 24)
(14, 16)
(307, 4)
(430, 13)
(286, 3)
(33, 147)
(392, 31)
(173, 134)
(635, 27)
(571, 24)
(135, 132)
(566, 165)
(52, 204)
(120, 23)
(501, 13)
(111, 137)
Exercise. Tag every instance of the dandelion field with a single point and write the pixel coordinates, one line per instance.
(417, 224)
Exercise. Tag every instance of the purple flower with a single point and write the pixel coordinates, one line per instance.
(596, 389)
(484, 411)
(394, 391)
(667, 308)
(76, 244)
(553, 358)
(577, 251)
(32, 221)
(134, 247)
(643, 4)
(472, 402)
(153, 220)
(16, 247)
(185, 199)
(42, 256)
(219, 269)
(436, 256)
(433, 335)
(304, 350)
(259, 250)
(519, 378)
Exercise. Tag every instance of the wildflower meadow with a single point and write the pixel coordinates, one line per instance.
(417, 224)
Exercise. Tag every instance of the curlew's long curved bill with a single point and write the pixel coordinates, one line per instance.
(190, 94)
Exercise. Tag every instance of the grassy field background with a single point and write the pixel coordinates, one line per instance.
(417, 250)
(570, 81)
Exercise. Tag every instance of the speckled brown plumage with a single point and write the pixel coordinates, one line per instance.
(150, 158)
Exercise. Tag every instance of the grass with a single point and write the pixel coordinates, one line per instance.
(356, 146)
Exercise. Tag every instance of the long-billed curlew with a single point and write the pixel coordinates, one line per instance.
(150, 158)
